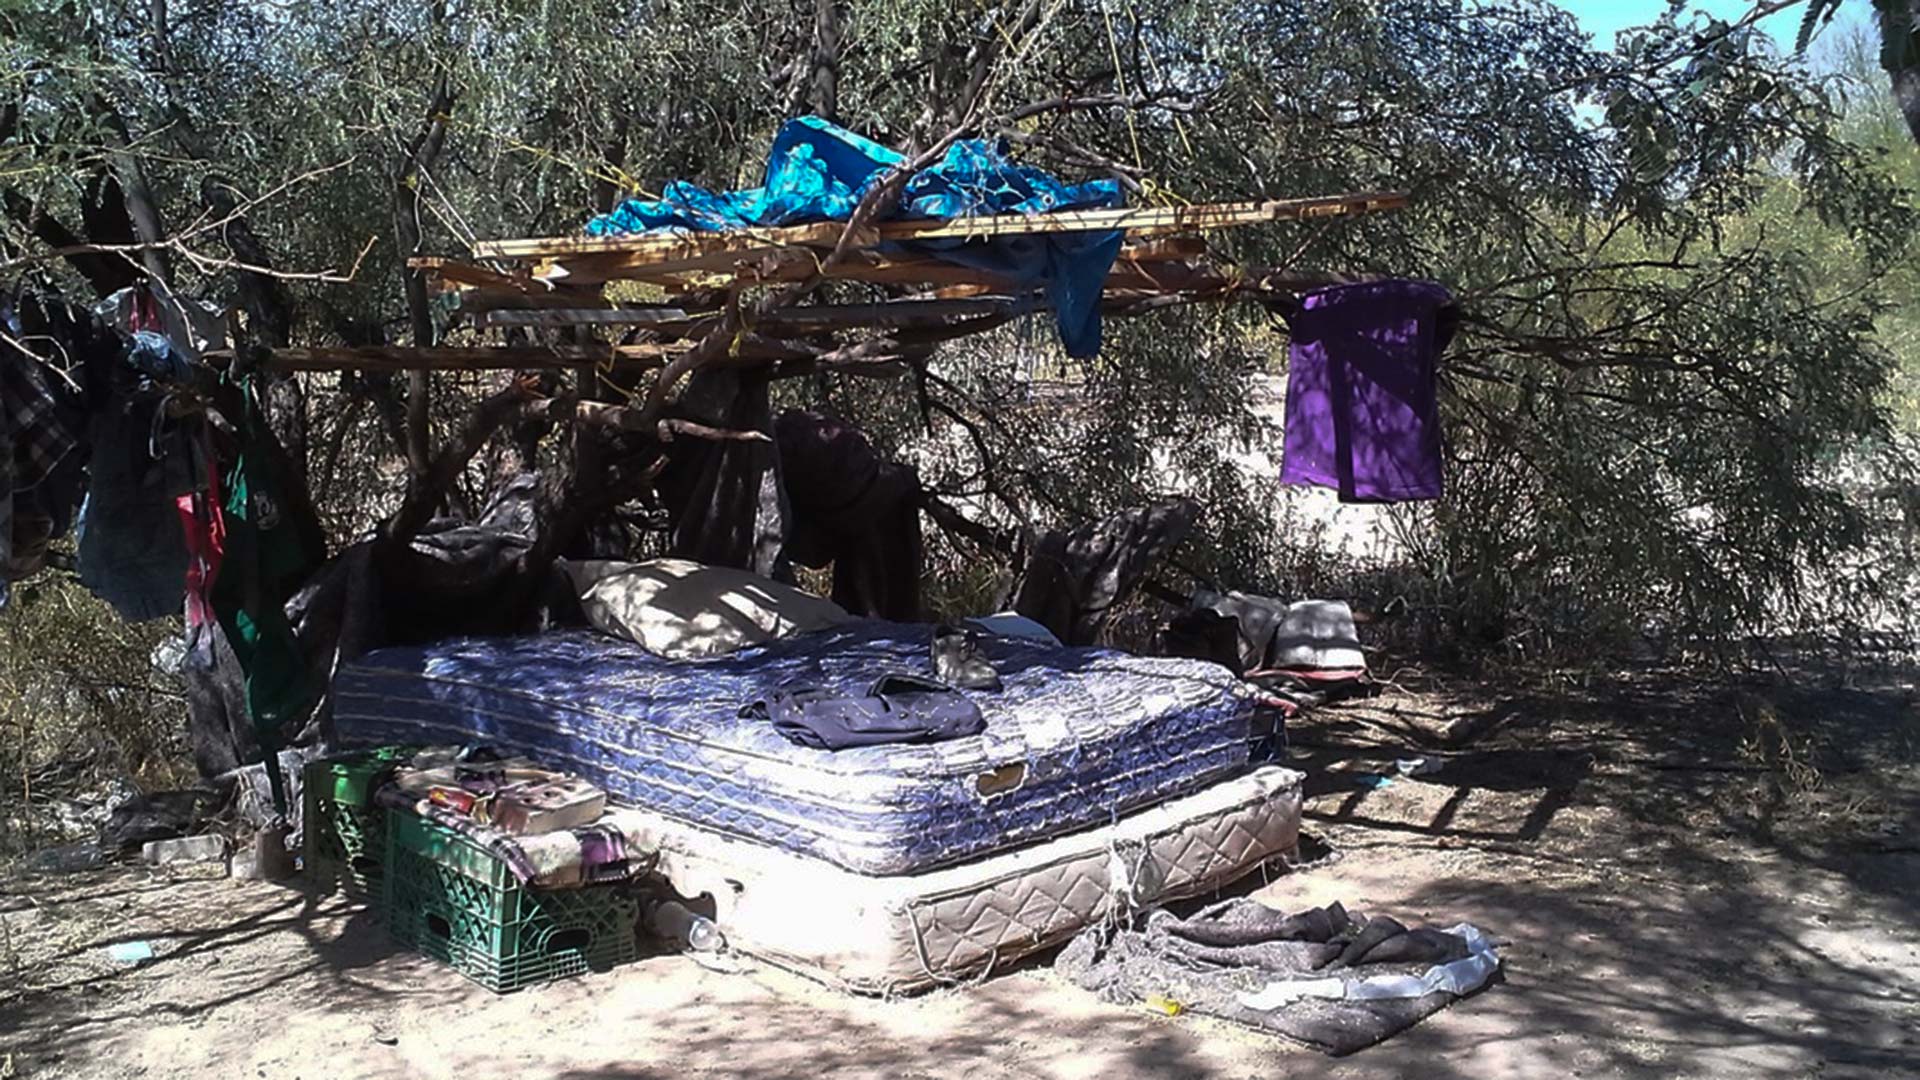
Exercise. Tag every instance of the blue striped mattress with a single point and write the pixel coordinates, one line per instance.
(1076, 738)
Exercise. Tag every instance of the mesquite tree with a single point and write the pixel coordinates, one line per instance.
(1659, 413)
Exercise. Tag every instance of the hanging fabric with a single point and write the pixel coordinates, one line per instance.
(206, 536)
(35, 442)
(265, 557)
(1363, 414)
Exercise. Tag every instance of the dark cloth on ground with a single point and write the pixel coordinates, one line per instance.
(854, 510)
(1275, 635)
(897, 708)
(1230, 960)
(1072, 579)
(1205, 634)
(1363, 413)
(159, 815)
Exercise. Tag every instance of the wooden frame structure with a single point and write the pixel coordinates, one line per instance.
(550, 296)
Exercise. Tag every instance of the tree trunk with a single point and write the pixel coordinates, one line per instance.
(406, 230)
(1906, 75)
(825, 91)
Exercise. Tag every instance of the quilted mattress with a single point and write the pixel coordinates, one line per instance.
(892, 934)
(1077, 736)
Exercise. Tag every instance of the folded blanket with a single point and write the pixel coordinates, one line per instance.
(608, 849)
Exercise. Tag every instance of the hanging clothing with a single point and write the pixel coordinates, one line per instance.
(267, 555)
(725, 495)
(36, 450)
(190, 326)
(1072, 580)
(41, 437)
(1363, 416)
(855, 510)
(132, 552)
(205, 530)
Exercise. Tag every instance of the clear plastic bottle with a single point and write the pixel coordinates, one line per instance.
(671, 921)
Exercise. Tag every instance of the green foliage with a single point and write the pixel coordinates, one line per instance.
(80, 698)
(1667, 408)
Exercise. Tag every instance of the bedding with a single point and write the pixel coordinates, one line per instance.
(1077, 737)
(684, 610)
(915, 931)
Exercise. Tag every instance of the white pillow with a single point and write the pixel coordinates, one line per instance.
(684, 610)
(1014, 625)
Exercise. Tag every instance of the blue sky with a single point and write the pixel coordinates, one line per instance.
(1604, 18)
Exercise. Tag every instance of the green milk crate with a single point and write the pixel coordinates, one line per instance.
(343, 835)
(452, 900)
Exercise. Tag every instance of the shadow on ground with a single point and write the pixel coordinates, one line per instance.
(1689, 880)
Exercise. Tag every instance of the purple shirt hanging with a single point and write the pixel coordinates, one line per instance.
(1362, 415)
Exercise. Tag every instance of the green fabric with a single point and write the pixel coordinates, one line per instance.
(267, 557)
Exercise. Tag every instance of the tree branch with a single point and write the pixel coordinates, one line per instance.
(517, 402)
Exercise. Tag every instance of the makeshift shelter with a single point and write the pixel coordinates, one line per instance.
(956, 827)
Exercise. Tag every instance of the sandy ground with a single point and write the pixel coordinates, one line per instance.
(1692, 882)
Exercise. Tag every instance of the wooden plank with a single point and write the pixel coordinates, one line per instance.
(591, 270)
(1161, 249)
(485, 358)
(456, 272)
(668, 244)
(868, 267)
(808, 319)
(876, 269)
(1158, 218)
(647, 266)
(475, 301)
(1144, 220)
(629, 316)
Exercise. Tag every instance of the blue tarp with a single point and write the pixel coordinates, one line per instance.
(818, 171)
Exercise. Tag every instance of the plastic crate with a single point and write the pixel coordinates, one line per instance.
(450, 899)
(349, 778)
(343, 835)
(344, 848)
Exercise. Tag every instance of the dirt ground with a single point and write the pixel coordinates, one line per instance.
(1691, 881)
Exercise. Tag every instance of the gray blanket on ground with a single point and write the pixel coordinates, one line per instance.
(1207, 963)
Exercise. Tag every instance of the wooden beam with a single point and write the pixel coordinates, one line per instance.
(666, 243)
(809, 319)
(580, 271)
(680, 245)
(1157, 219)
(444, 358)
(629, 316)
(455, 272)
(1163, 248)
